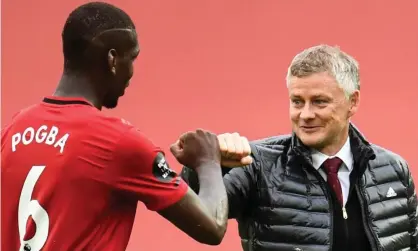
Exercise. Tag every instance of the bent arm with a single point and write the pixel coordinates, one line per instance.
(190, 176)
(203, 217)
(239, 183)
(142, 172)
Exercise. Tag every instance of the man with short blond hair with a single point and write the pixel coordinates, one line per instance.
(324, 187)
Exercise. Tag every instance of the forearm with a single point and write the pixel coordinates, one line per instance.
(212, 193)
(190, 176)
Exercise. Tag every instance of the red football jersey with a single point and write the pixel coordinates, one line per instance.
(71, 178)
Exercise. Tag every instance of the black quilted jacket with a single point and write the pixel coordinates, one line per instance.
(281, 203)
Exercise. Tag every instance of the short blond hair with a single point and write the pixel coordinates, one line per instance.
(324, 58)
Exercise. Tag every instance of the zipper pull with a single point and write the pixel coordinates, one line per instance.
(345, 215)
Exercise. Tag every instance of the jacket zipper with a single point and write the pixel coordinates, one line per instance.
(252, 236)
(345, 214)
(346, 229)
(331, 206)
(367, 228)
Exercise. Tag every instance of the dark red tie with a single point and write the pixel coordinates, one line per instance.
(331, 167)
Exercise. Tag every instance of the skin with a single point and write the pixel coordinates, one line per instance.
(102, 78)
(320, 111)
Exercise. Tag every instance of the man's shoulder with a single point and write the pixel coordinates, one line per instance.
(117, 142)
(94, 128)
(386, 157)
(127, 137)
(107, 126)
(23, 114)
(134, 140)
(86, 116)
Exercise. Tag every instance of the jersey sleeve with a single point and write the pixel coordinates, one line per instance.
(142, 171)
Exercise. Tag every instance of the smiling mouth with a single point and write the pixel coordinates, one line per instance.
(310, 128)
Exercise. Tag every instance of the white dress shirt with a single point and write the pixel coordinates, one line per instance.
(346, 156)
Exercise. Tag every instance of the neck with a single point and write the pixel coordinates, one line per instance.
(78, 85)
(336, 145)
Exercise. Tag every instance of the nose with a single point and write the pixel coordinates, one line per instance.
(307, 113)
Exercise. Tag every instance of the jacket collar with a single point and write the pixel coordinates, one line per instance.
(360, 147)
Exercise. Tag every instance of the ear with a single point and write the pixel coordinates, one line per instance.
(112, 60)
(354, 103)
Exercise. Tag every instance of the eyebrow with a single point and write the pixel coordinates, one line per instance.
(320, 96)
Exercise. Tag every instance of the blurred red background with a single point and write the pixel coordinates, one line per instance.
(221, 65)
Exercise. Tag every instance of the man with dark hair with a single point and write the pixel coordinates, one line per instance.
(99, 45)
(72, 176)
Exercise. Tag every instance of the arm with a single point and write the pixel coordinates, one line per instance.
(240, 185)
(204, 216)
(190, 176)
(144, 174)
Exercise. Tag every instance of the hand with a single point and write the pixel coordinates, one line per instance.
(193, 149)
(235, 150)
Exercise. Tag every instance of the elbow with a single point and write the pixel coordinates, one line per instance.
(218, 237)
(213, 242)
(213, 238)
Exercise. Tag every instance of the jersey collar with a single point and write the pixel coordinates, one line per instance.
(66, 100)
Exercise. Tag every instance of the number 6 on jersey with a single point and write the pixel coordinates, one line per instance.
(29, 207)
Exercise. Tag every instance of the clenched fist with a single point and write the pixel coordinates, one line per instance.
(235, 150)
(193, 149)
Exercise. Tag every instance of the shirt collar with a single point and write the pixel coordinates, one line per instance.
(344, 154)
